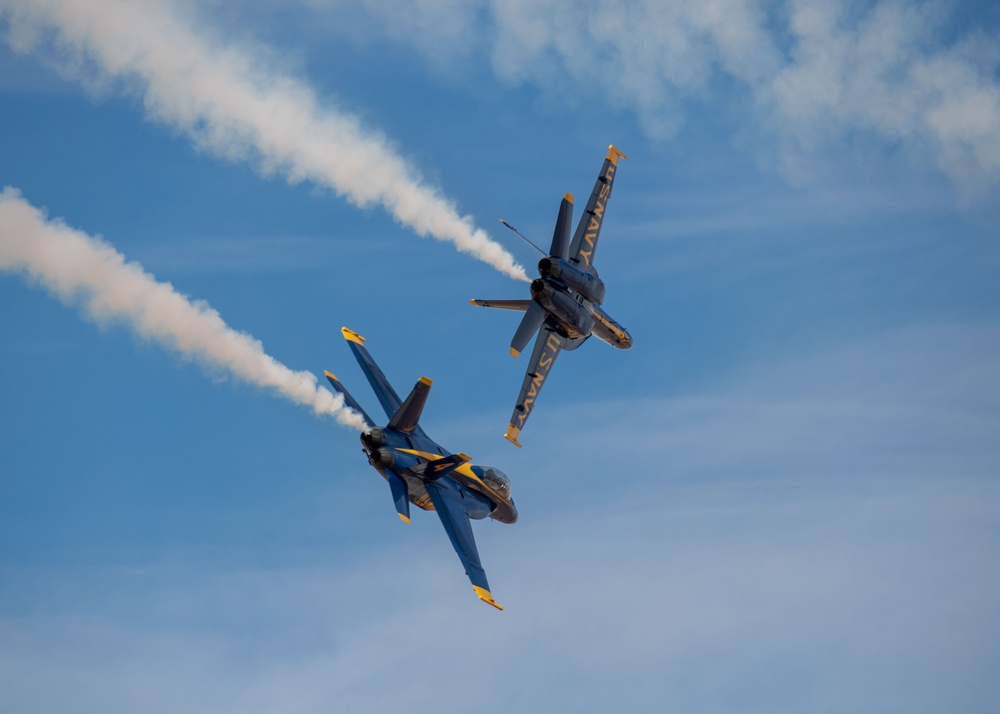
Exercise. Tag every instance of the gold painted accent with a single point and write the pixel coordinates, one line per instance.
(568, 197)
(422, 454)
(614, 154)
(331, 375)
(511, 435)
(486, 596)
(425, 380)
(514, 353)
(464, 469)
(352, 336)
(404, 518)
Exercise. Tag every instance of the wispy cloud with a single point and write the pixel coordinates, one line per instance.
(80, 269)
(809, 74)
(237, 107)
(822, 519)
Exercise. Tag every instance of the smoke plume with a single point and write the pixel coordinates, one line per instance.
(82, 270)
(232, 105)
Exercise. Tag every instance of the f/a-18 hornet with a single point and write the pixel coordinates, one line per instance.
(420, 472)
(566, 300)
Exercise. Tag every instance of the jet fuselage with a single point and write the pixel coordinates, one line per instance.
(408, 454)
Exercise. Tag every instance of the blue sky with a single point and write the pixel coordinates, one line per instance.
(784, 498)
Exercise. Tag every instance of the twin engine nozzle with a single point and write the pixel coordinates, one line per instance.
(373, 438)
(587, 284)
(382, 457)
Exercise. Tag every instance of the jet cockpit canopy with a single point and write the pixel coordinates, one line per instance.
(497, 480)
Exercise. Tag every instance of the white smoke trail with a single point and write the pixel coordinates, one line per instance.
(83, 270)
(234, 107)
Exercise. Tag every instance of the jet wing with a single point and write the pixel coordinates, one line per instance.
(454, 505)
(548, 345)
(350, 401)
(588, 230)
(387, 396)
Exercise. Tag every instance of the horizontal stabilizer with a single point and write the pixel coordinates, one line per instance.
(348, 399)
(406, 417)
(532, 320)
(519, 305)
(400, 495)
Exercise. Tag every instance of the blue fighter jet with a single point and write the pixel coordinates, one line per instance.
(565, 305)
(420, 472)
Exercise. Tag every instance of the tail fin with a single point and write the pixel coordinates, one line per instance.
(406, 417)
(561, 234)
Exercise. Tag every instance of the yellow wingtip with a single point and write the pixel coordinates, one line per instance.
(404, 518)
(425, 380)
(352, 336)
(330, 374)
(614, 154)
(486, 596)
(514, 353)
(511, 435)
(568, 197)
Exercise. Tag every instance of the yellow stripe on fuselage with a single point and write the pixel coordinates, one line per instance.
(466, 471)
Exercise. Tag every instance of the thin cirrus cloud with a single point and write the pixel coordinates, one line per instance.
(810, 73)
(804, 550)
(234, 106)
(815, 71)
(80, 269)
